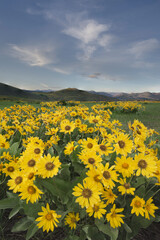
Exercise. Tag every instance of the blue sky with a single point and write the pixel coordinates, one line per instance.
(100, 45)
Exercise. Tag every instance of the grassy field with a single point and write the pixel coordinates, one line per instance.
(150, 117)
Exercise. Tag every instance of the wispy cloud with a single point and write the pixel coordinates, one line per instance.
(90, 35)
(86, 31)
(32, 56)
(139, 49)
(58, 70)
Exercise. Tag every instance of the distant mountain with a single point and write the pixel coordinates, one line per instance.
(139, 96)
(65, 94)
(7, 91)
(131, 96)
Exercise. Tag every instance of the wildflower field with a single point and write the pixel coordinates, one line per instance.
(75, 172)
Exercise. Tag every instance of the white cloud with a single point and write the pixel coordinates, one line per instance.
(33, 56)
(139, 49)
(89, 33)
(105, 40)
(86, 31)
(88, 50)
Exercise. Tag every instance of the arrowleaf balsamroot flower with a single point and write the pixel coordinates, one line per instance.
(71, 219)
(48, 166)
(114, 218)
(98, 210)
(125, 188)
(149, 208)
(137, 205)
(88, 193)
(30, 192)
(48, 219)
(145, 164)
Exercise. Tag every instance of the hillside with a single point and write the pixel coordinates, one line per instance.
(77, 95)
(7, 91)
(68, 94)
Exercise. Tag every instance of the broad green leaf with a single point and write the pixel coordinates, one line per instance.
(139, 222)
(127, 228)
(14, 211)
(93, 233)
(8, 203)
(12, 195)
(51, 151)
(139, 181)
(65, 173)
(140, 192)
(57, 187)
(14, 148)
(32, 209)
(31, 231)
(107, 229)
(16, 137)
(22, 225)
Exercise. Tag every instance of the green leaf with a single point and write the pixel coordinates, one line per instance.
(31, 231)
(16, 137)
(57, 187)
(14, 148)
(82, 236)
(8, 203)
(51, 151)
(12, 195)
(140, 192)
(93, 233)
(78, 167)
(138, 222)
(32, 209)
(14, 211)
(139, 181)
(65, 172)
(22, 225)
(107, 229)
(127, 228)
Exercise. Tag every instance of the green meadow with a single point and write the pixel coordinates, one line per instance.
(150, 117)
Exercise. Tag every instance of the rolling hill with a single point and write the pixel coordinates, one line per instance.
(68, 94)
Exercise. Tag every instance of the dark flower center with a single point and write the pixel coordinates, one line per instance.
(121, 144)
(18, 180)
(31, 190)
(91, 160)
(67, 128)
(126, 185)
(10, 169)
(37, 150)
(31, 163)
(142, 164)
(49, 166)
(96, 179)
(86, 193)
(30, 176)
(103, 147)
(89, 145)
(106, 175)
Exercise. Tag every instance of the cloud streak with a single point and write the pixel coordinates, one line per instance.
(32, 56)
(141, 48)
